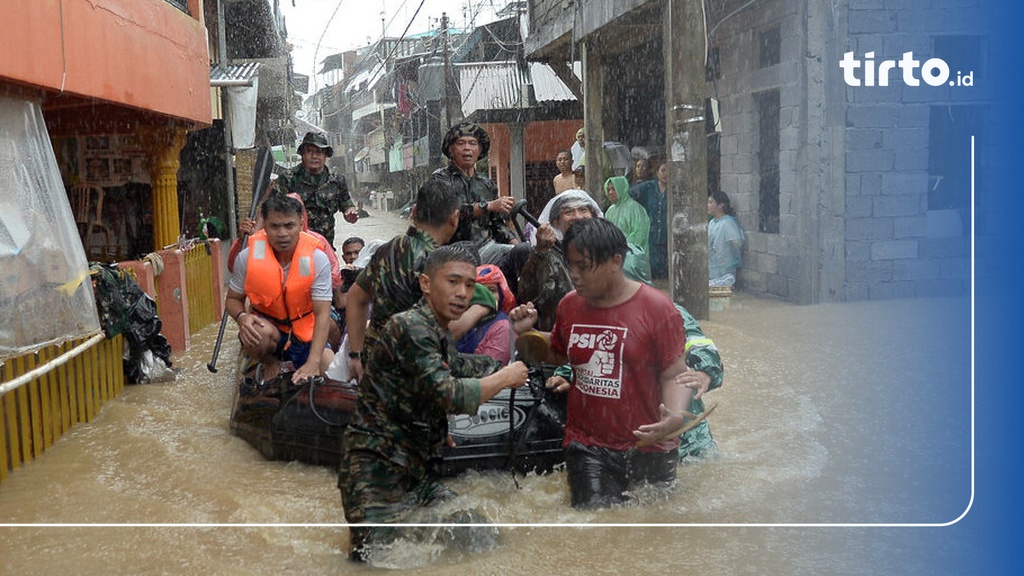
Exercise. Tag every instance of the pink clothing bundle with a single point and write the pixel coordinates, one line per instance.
(491, 275)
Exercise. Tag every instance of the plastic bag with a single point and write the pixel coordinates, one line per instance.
(338, 370)
(125, 309)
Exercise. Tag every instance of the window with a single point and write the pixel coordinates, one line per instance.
(714, 163)
(949, 155)
(180, 4)
(963, 53)
(768, 160)
(771, 47)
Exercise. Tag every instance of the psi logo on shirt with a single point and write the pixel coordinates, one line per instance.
(596, 356)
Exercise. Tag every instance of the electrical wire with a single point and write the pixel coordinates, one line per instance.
(366, 57)
(322, 34)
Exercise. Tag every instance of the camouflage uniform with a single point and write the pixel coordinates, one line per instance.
(414, 380)
(493, 225)
(323, 195)
(544, 280)
(392, 277)
(701, 355)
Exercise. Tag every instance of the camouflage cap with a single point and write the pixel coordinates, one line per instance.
(316, 139)
(466, 129)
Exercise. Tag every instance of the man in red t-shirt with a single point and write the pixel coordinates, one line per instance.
(625, 342)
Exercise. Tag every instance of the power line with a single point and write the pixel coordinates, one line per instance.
(324, 33)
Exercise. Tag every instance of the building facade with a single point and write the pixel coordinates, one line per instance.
(844, 192)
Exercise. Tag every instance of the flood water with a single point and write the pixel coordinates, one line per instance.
(836, 414)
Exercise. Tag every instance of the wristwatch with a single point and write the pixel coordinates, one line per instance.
(354, 355)
(482, 205)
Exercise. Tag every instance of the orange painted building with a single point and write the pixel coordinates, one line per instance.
(117, 67)
(147, 55)
(119, 84)
(541, 142)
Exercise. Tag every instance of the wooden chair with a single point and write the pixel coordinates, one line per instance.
(84, 197)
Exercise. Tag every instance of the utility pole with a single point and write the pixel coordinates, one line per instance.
(685, 92)
(225, 105)
(452, 106)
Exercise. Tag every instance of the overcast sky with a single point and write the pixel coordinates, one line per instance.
(357, 23)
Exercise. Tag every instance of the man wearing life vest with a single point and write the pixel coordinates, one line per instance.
(287, 280)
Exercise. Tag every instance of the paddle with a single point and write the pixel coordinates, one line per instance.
(260, 181)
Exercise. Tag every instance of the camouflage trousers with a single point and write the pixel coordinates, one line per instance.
(696, 442)
(375, 490)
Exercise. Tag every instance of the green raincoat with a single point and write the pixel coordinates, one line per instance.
(630, 217)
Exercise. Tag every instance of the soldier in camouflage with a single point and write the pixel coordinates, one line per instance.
(414, 379)
(702, 356)
(390, 281)
(321, 192)
(483, 215)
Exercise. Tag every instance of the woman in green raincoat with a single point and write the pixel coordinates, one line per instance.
(630, 217)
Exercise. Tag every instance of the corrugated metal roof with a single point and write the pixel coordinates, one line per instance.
(233, 74)
(547, 86)
(498, 85)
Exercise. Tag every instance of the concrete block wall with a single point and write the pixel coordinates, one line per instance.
(876, 237)
(888, 251)
(769, 262)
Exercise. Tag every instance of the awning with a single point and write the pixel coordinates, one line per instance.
(224, 75)
(374, 108)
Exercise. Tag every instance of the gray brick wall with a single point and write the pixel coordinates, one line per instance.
(887, 140)
(771, 262)
(883, 155)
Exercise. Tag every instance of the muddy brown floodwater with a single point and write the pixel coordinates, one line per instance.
(833, 414)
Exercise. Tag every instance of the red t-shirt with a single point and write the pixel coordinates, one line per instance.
(617, 354)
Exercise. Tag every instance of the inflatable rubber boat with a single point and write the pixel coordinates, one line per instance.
(518, 430)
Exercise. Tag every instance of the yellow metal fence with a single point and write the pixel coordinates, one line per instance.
(37, 414)
(199, 286)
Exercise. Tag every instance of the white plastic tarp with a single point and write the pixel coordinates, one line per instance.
(46, 294)
(243, 113)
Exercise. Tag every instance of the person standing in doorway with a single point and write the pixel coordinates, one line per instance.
(641, 171)
(632, 219)
(725, 241)
(564, 180)
(579, 150)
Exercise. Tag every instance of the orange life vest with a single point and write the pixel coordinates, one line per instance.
(288, 303)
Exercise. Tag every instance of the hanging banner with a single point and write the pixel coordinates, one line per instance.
(242, 100)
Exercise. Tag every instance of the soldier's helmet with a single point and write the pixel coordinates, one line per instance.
(466, 129)
(319, 140)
